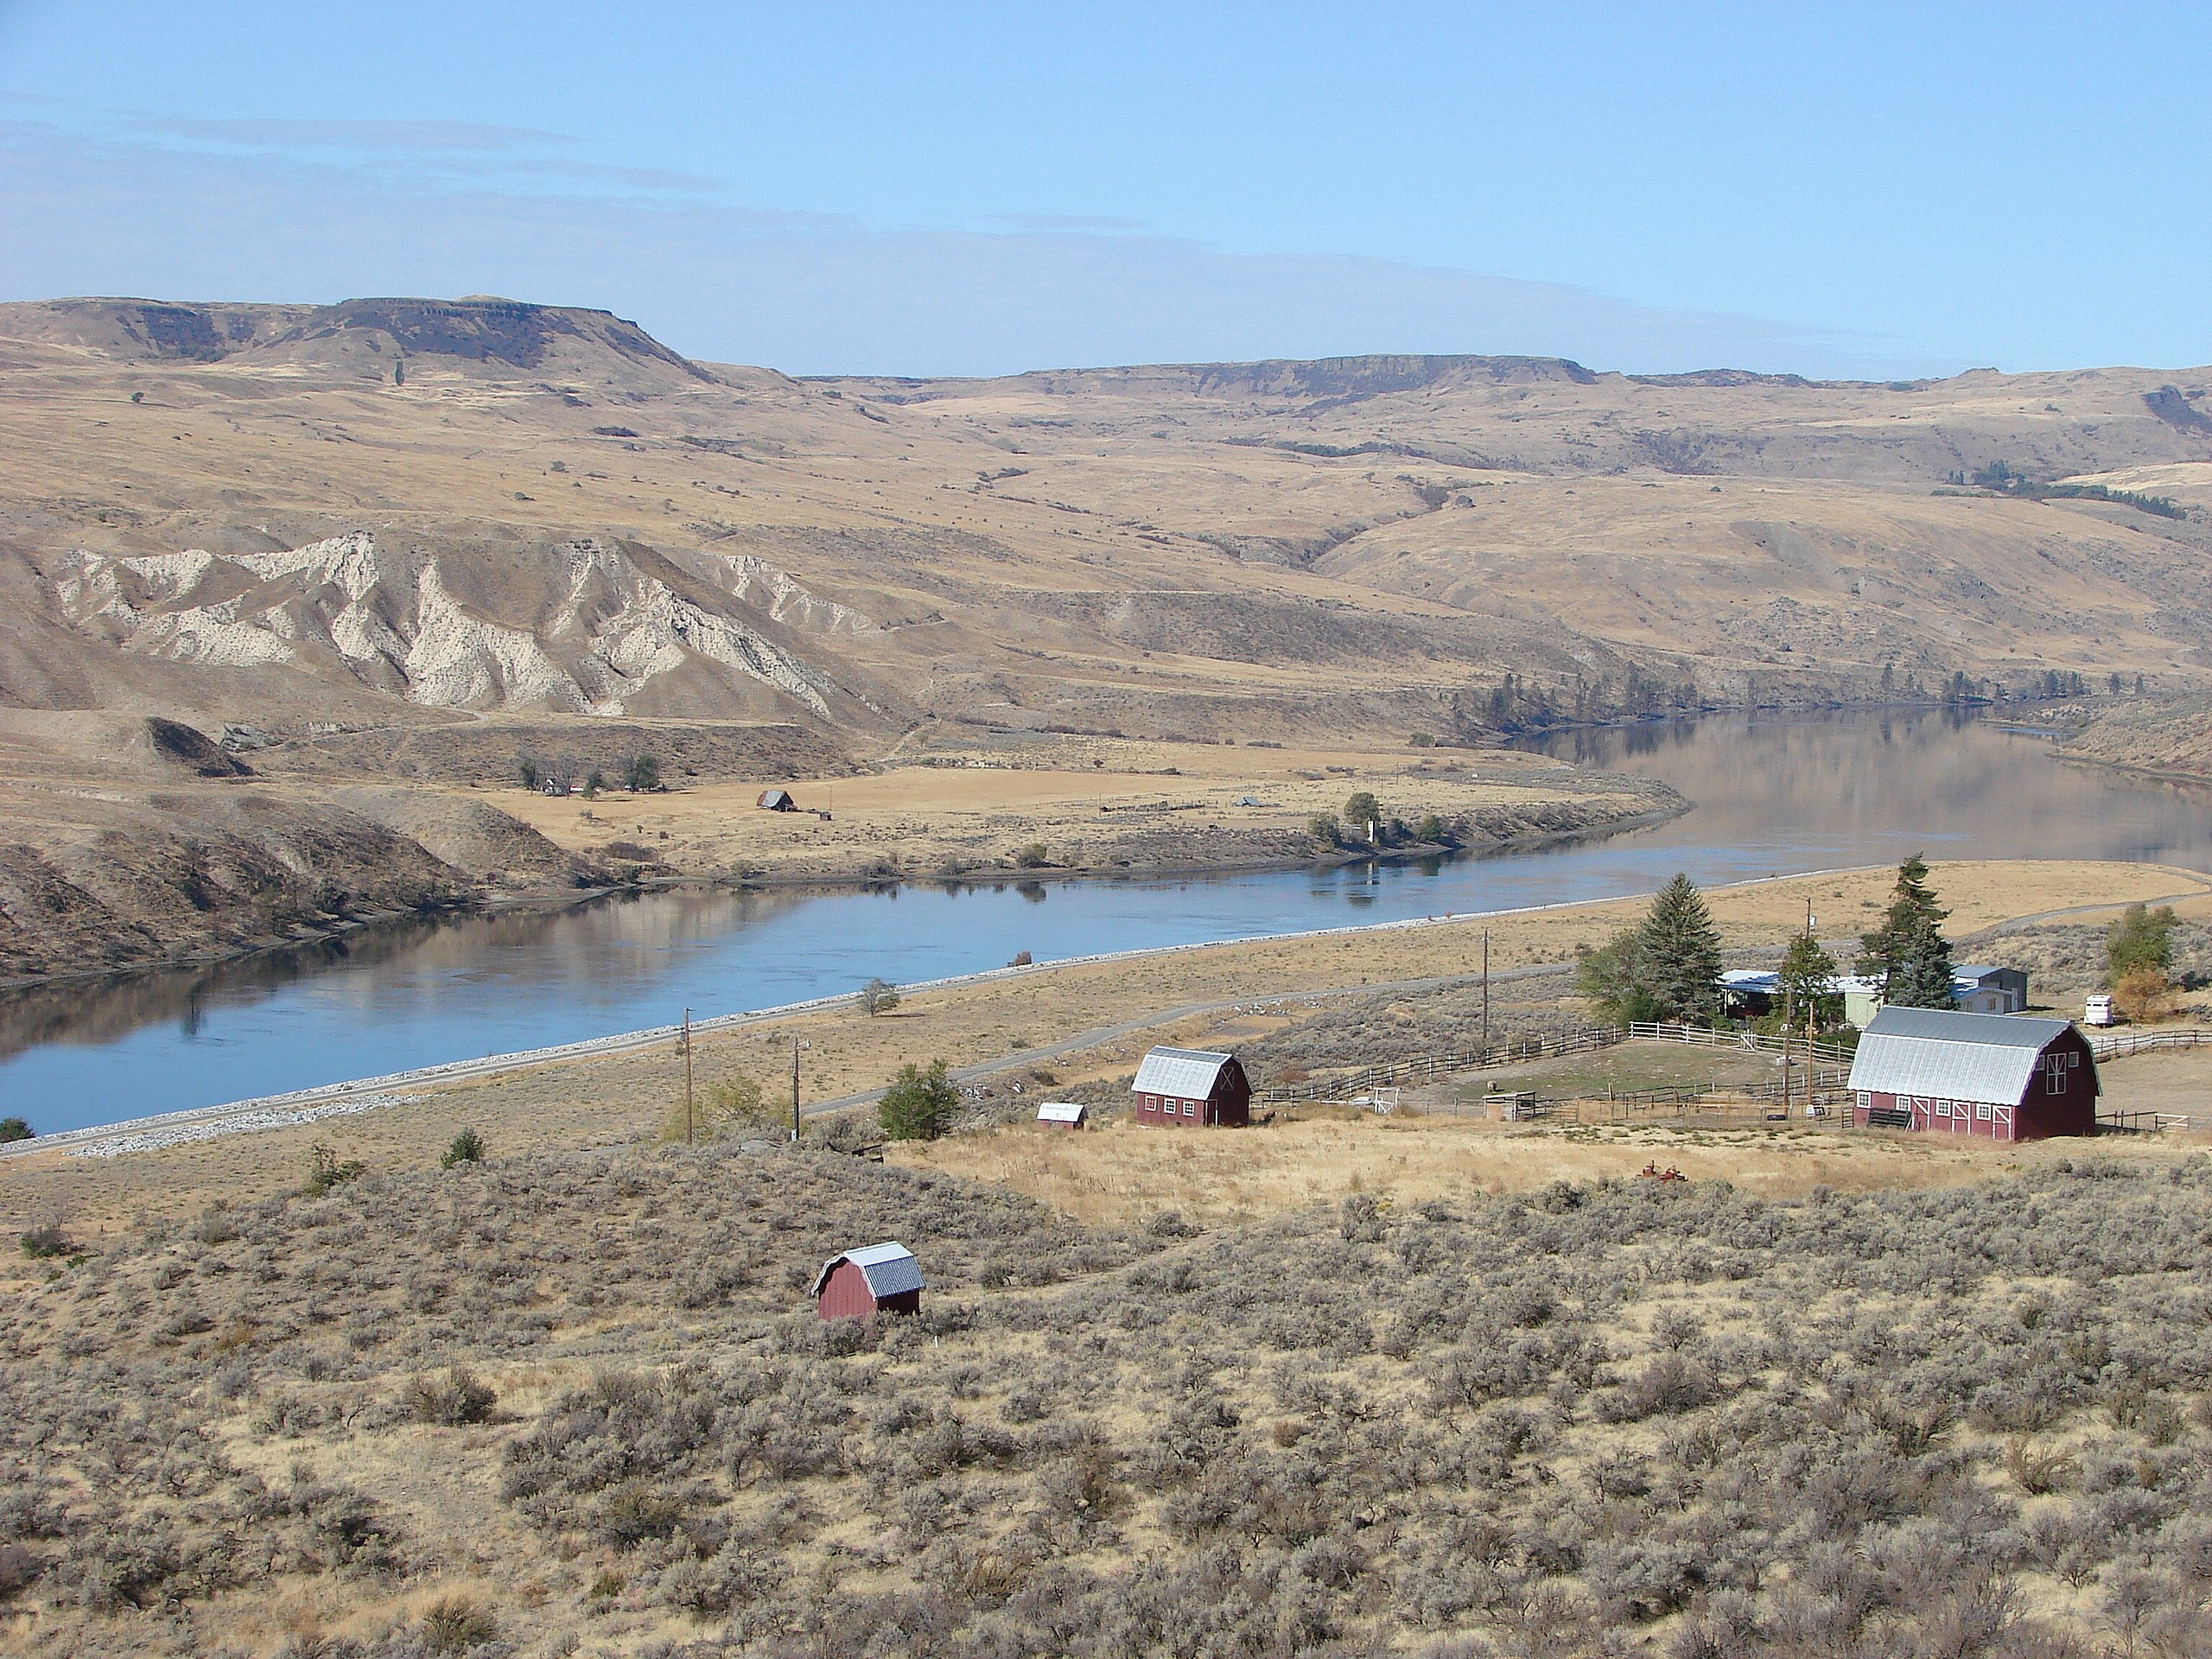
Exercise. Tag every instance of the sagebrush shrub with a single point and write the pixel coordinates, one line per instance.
(455, 1623)
(457, 1397)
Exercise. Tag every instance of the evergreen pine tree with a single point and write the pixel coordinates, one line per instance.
(1909, 952)
(1678, 955)
(1807, 982)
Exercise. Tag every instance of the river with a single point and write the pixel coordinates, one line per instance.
(1774, 796)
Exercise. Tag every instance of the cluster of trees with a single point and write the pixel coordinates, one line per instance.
(2057, 682)
(640, 775)
(1519, 703)
(1962, 688)
(2139, 960)
(2002, 478)
(1364, 821)
(1667, 967)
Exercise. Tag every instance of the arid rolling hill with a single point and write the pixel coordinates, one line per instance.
(345, 511)
(429, 535)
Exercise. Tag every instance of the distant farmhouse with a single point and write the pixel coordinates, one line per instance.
(1191, 1088)
(1753, 993)
(775, 800)
(1999, 1076)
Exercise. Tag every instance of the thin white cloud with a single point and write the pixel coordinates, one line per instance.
(1073, 223)
(808, 293)
(270, 133)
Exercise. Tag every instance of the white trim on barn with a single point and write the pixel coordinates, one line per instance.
(1934, 1053)
(1185, 1073)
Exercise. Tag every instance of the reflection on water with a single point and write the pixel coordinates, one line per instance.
(1773, 795)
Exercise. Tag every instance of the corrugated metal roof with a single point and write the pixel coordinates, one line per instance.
(1060, 1111)
(1187, 1073)
(888, 1268)
(1931, 1052)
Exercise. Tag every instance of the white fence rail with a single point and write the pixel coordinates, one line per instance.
(2121, 1043)
(1579, 1039)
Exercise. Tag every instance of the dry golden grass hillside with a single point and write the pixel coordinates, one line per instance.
(526, 507)
(411, 544)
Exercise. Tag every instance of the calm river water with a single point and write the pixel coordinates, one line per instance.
(1774, 796)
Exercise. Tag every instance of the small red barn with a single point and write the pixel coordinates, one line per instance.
(1193, 1088)
(1996, 1076)
(882, 1279)
(1062, 1114)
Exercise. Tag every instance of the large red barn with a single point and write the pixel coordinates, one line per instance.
(1995, 1076)
(882, 1279)
(1190, 1088)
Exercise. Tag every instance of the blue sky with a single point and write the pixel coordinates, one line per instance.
(972, 189)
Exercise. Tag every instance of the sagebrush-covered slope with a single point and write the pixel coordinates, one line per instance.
(1642, 1416)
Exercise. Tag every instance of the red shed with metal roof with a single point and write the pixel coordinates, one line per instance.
(2000, 1076)
(1191, 1088)
(882, 1279)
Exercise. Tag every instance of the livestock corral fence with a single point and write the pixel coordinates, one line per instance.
(2118, 1045)
(1362, 1083)
(1428, 1068)
(1375, 1085)
(2121, 1043)
(1764, 1103)
(1704, 1036)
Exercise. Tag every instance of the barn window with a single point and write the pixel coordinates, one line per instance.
(1942, 1108)
(1190, 1108)
(1984, 1110)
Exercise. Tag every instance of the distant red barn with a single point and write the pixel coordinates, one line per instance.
(1995, 1076)
(882, 1279)
(1191, 1088)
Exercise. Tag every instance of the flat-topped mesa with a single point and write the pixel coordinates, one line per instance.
(478, 337)
(1274, 379)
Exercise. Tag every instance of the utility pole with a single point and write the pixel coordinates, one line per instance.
(1788, 1024)
(687, 1077)
(795, 1047)
(1485, 996)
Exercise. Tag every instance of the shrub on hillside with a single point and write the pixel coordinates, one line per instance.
(918, 1103)
(450, 1400)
